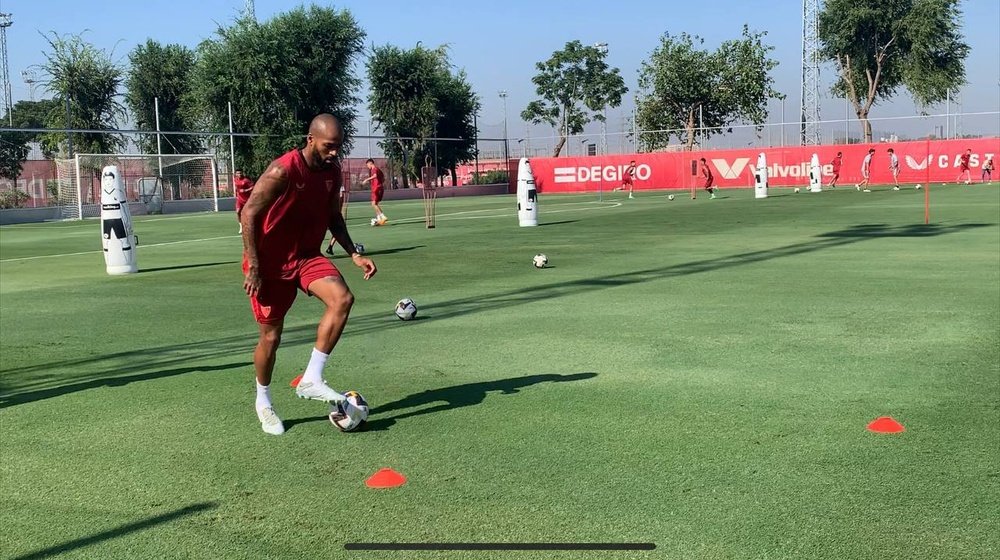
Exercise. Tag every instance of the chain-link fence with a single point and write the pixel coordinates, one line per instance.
(495, 144)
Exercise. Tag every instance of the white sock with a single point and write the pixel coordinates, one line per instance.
(314, 371)
(263, 396)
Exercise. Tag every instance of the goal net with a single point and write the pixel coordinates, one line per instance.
(153, 183)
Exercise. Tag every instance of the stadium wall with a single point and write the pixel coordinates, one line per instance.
(919, 162)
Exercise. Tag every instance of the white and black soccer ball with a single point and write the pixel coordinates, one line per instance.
(349, 415)
(359, 248)
(670, 197)
(374, 222)
(540, 260)
(406, 310)
(796, 189)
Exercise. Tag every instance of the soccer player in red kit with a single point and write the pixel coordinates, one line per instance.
(836, 163)
(708, 180)
(627, 176)
(242, 186)
(377, 179)
(963, 167)
(284, 222)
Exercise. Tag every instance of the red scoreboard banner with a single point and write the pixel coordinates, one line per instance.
(919, 162)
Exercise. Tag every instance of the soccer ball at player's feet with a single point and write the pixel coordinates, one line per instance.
(540, 260)
(374, 222)
(670, 197)
(796, 189)
(917, 187)
(406, 309)
(349, 415)
(359, 248)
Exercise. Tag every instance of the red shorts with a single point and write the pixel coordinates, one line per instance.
(377, 194)
(276, 295)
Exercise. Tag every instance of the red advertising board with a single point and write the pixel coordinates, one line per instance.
(919, 162)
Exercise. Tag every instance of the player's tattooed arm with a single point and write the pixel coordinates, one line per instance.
(269, 187)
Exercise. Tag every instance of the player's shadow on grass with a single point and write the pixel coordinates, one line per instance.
(394, 250)
(563, 222)
(447, 398)
(16, 398)
(119, 531)
(183, 266)
(458, 396)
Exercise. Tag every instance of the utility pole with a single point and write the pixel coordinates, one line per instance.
(6, 20)
(810, 123)
(506, 153)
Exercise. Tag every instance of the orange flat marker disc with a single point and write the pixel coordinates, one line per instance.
(295, 382)
(885, 425)
(385, 478)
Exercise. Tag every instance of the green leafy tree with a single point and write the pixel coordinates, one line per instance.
(414, 96)
(14, 146)
(161, 74)
(85, 83)
(278, 75)
(879, 47)
(575, 85)
(684, 86)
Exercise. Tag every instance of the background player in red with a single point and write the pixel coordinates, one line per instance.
(836, 163)
(284, 222)
(627, 176)
(241, 186)
(963, 167)
(708, 180)
(377, 179)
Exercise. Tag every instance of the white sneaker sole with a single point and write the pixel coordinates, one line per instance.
(318, 392)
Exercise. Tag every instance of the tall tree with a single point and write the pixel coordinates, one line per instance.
(278, 75)
(879, 47)
(85, 82)
(14, 146)
(160, 74)
(414, 96)
(685, 87)
(575, 85)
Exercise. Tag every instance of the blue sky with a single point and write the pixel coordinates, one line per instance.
(498, 42)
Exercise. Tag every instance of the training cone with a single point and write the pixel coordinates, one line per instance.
(385, 478)
(295, 382)
(885, 425)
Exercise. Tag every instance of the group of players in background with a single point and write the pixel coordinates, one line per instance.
(707, 179)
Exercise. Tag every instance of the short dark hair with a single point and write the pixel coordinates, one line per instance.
(889, 150)
(703, 160)
(839, 153)
(871, 150)
(633, 161)
(370, 160)
(237, 170)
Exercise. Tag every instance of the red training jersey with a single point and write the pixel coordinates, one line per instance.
(837, 161)
(965, 161)
(295, 225)
(244, 187)
(379, 180)
(706, 172)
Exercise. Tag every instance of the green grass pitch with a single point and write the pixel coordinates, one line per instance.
(696, 374)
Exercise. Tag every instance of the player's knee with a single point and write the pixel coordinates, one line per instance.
(270, 338)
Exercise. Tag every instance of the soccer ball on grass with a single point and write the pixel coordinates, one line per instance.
(406, 310)
(349, 415)
(540, 260)
(670, 197)
(796, 189)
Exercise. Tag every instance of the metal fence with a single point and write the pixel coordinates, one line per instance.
(37, 183)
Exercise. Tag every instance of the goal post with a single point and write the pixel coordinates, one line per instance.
(157, 183)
